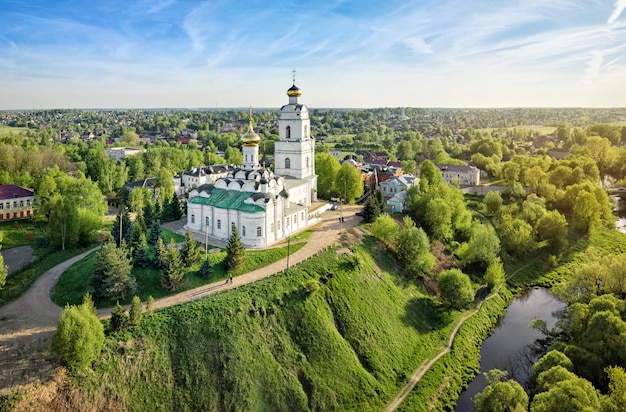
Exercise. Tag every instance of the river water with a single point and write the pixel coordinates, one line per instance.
(509, 347)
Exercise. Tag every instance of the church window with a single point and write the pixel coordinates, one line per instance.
(306, 132)
(258, 231)
(307, 162)
(278, 225)
(193, 219)
(272, 228)
(243, 231)
(302, 216)
(219, 223)
(206, 221)
(287, 224)
(287, 163)
(288, 132)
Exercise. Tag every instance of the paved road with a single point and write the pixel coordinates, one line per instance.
(27, 323)
(17, 257)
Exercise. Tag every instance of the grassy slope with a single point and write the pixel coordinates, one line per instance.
(335, 334)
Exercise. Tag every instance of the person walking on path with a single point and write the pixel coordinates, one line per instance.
(230, 278)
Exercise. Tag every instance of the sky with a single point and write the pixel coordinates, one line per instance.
(347, 54)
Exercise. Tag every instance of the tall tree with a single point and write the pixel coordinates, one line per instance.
(112, 278)
(4, 269)
(64, 223)
(174, 268)
(326, 167)
(349, 183)
(190, 252)
(235, 251)
(134, 314)
(501, 395)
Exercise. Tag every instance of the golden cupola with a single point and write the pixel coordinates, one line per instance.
(250, 138)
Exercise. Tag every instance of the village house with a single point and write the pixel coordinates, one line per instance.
(461, 175)
(16, 202)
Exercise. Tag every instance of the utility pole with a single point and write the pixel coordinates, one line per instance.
(206, 240)
(341, 205)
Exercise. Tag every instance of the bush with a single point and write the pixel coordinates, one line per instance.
(79, 337)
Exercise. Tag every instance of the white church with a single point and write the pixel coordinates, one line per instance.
(265, 207)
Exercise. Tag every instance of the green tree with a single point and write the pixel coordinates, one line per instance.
(349, 183)
(235, 251)
(150, 305)
(455, 289)
(326, 167)
(135, 312)
(501, 396)
(370, 210)
(4, 271)
(493, 202)
(587, 212)
(439, 218)
(79, 337)
(413, 248)
(385, 229)
(549, 360)
(64, 223)
(155, 232)
(495, 275)
(517, 236)
(206, 269)
(482, 247)
(570, 395)
(122, 221)
(142, 252)
(119, 319)
(160, 254)
(617, 386)
(174, 268)
(552, 229)
(112, 276)
(430, 176)
(190, 252)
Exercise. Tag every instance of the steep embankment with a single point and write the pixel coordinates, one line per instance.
(339, 332)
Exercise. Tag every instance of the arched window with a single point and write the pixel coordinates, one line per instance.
(243, 231)
(258, 231)
(287, 163)
(307, 162)
(193, 219)
(306, 132)
(288, 132)
(219, 224)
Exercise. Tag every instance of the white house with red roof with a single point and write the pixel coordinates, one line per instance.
(16, 202)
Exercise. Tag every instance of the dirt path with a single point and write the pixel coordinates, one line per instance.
(27, 323)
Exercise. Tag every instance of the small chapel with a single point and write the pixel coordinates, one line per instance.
(265, 207)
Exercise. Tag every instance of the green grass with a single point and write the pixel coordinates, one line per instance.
(7, 130)
(336, 333)
(12, 236)
(75, 282)
(168, 234)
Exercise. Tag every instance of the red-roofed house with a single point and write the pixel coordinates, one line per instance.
(16, 202)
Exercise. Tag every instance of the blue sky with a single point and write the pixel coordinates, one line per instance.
(363, 53)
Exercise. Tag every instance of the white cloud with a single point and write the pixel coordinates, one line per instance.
(620, 5)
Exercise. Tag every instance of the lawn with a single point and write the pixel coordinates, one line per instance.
(20, 232)
(75, 282)
(7, 130)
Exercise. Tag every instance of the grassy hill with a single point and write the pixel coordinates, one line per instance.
(340, 332)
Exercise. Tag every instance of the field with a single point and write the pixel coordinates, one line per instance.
(7, 130)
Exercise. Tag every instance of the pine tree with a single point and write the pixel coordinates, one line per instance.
(89, 303)
(155, 232)
(174, 269)
(150, 306)
(190, 252)
(134, 314)
(370, 210)
(119, 319)
(235, 252)
(380, 202)
(177, 211)
(112, 276)
(149, 214)
(142, 254)
(205, 269)
(135, 237)
(160, 255)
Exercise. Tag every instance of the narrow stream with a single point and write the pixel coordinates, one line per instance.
(509, 347)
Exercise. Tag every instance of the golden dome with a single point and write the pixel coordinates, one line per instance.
(294, 91)
(250, 138)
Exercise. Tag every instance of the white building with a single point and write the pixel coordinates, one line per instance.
(120, 153)
(265, 208)
(397, 184)
(201, 175)
(461, 175)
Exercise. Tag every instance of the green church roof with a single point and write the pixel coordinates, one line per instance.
(228, 199)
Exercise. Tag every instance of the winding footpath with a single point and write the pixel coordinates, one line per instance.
(27, 324)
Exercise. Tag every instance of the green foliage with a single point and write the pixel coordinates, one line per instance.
(549, 360)
(4, 271)
(206, 270)
(495, 275)
(155, 232)
(385, 229)
(119, 319)
(235, 251)
(517, 236)
(135, 312)
(493, 202)
(79, 337)
(552, 228)
(326, 167)
(482, 248)
(412, 248)
(112, 276)
(160, 254)
(122, 221)
(569, 395)
(142, 252)
(349, 183)
(501, 396)
(371, 210)
(150, 306)
(63, 221)
(190, 252)
(174, 269)
(455, 289)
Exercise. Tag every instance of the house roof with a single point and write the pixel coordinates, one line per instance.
(457, 168)
(14, 191)
(228, 199)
